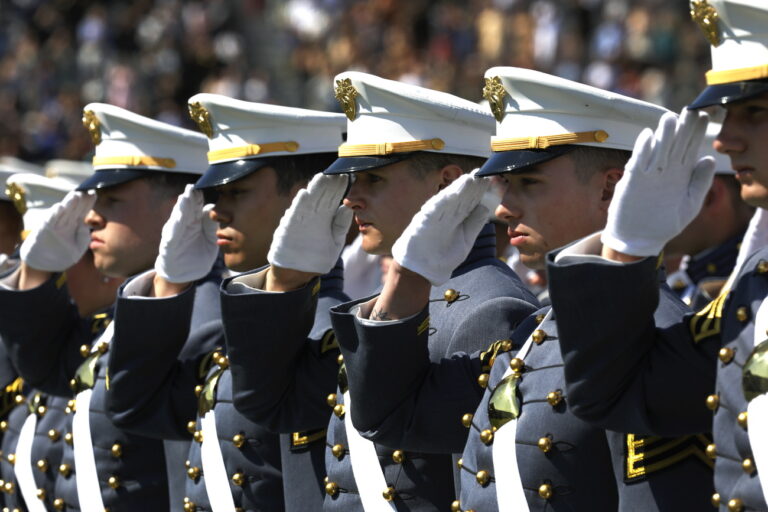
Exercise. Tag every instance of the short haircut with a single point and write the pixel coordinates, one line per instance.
(423, 162)
(589, 160)
(169, 184)
(293, 169)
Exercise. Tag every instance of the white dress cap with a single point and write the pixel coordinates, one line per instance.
(73, 170)
(33, 194)
(8, 167)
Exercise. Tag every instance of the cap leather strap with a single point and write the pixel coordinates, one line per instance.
(545, 141)
(135, 161)
(251, 150)
(386, 148)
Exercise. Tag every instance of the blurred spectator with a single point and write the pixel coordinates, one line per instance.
(151, 55)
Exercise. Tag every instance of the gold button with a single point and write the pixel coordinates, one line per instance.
(42, 465)
(54, 435)
(389, 493)
(538, 336)
(545, 444)
(9, 487)
(486, 436)
(102, 347)
(19, 399)
(198, 390)
(762, 267)
(72, 405)
(741, 419)
(456, 506)
(187, 464)
(113, 482)
(748, 466)
(742, 314)
(545, 491)
(711, 451)
(713, 401)
(517, 364)
(331, 400)
(238, 440)
(716, 500)
(466, 420)
(12, 458)
(73, 384)
(198, 436)
(238, 479)
(85, 350)
(398, 456)
(116, 450)
(65, 470)
(338, 451)
(189, 506)
(338, 410)
(331, 489)
(725, 355)
(340, 359)
(483, 477)
(482, 380)
(450, 295)
(735, 505)
(3, 425)
(42, 410)
(540, 318)
(460, 463)
(223, 362)
(193, 473)
(58, 504)
(506, 346)
(554, 398)
(191, 427)
(68, 438)
(40, 494)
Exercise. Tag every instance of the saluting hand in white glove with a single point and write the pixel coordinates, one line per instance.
(312, 232)
(188, 244)
(63, 237)
(441, 235)
(663, 186)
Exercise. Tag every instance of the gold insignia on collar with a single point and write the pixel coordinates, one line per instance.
(494, 92)
(92, 124)
(706, 16)
(202, 117)
(18, 197)
(346, 94)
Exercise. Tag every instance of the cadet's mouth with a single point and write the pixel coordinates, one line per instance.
(516, 237)
(223, 240)
(96, 242)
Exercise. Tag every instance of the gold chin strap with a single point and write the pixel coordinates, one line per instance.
(251, 150)
(545, 141)
(736, 75)
(387, 148)
(135, 161)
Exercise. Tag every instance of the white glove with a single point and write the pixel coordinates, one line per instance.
(663, 187)
(312, 232)
(188, 244)
(63, 237)
(441, 235)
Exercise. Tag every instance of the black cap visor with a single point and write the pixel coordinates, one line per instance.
(365, 163)
(104, 178)
(723, 94)
(227, 172)
(520, 160)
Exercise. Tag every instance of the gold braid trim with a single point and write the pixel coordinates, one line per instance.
(707, 322)
(736, 75)
(387, 148)
(135, 161)
(544, 141)
(251, 150)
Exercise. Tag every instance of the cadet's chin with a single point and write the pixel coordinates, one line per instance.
(754, 194)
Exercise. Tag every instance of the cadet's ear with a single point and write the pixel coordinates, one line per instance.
(610, 178)
(447, 174)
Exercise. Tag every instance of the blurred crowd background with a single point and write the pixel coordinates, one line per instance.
(149, 56)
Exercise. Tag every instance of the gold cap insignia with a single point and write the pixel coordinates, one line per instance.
(346, 94)
(18, 197)
(202, 117)
(706, 16)
(92, 124)
(494, 92)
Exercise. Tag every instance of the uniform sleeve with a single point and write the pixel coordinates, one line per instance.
(401, 397)
(282, 355)
(43, 332)
(155, 359)
(632, 363)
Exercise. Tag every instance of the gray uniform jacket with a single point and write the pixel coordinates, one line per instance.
(662, 379)
(282, 354)
(384, 365)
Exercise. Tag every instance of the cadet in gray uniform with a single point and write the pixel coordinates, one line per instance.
(559, 162)
(260, 156)
(140, 166)
(404, 144)
(673, 379)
